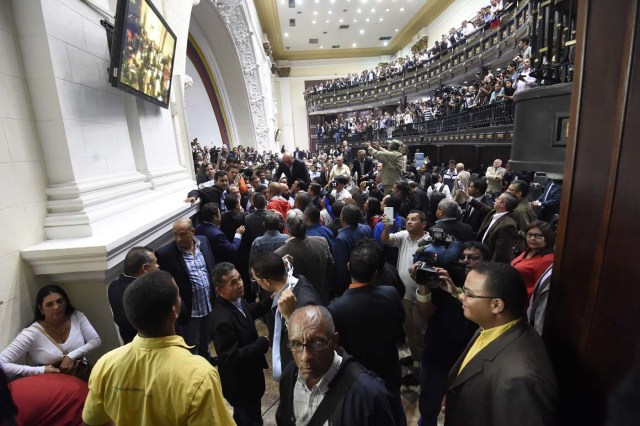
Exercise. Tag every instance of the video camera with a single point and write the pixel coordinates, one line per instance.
(440, 250)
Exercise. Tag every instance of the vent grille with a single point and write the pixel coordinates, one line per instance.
(335, 46)
(384, 38)
(344, 27)
(313, 41)
(292, 3)
(292, 22)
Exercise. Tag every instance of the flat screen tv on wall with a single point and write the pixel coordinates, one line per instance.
(142, 52)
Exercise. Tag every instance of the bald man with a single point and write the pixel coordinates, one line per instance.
(189, 260)
(292, 168)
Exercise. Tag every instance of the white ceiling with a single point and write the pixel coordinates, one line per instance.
(368, 21)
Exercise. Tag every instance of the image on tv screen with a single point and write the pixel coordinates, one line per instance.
(147, 52)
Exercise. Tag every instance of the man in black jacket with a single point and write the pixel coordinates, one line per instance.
(239, 348)
(292, 168)
(362, 166)
(138, 261)
(268, 270)
(189, 260)
(213, 193)
(352, 394)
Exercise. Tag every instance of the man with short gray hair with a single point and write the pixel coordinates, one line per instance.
(311, 255)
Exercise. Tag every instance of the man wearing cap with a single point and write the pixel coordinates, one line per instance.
(339, 192)
(391, 160)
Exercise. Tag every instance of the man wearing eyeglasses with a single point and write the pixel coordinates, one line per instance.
(504, 376)
(325, 385)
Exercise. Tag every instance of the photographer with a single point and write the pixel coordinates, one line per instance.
(449, 331)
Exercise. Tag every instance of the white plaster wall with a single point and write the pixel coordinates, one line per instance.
(202, 120)
(23, 180)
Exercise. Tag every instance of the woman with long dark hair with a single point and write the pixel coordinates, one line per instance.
(58, 339)
(538, 256)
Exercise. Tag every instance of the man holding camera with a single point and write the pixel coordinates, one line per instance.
(449, 331)
(340, 192)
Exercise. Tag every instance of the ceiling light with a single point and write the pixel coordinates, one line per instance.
(361, 31)
(313, 22)
(381, 19)
(386, 43)
(341, 20)
(353, 45)
(367, 19)
(330, 12)
(359, 10)
(315, 12)
(402, 9)
(327, 21)
(355, 20)
(333, 1)
(317, 1)
(373, 10)
(286, 34)
(396, 30)
(321, 47)
(387, 9)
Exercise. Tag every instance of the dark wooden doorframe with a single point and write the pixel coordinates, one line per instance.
(592, 327)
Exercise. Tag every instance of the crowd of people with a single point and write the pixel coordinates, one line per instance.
(350, 259)
(494, 88)
(486, 17)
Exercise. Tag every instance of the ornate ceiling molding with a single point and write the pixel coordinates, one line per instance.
(235, 17)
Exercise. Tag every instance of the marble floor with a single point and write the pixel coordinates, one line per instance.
(271, 396)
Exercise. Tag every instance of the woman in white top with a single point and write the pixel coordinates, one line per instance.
(437, 186)
(59, 336)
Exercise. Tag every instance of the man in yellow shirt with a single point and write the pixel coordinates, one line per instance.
(504, 377)
(154, 380)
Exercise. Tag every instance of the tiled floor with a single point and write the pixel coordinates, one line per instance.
(271, 397)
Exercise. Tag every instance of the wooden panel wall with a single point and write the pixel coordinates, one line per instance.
(593, 323)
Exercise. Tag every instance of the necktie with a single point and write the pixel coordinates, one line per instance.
(277, 333)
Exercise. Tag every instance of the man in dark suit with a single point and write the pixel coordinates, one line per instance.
(240, 350)
(549, 201)
(292, 168)
(213, 193)
(369, 319)
(137, 261)
(499, 230)
(269, 271)
(362, 167)
(504, 377)
(189, 260)
(471, 215)
(223, 250)
(234, 216)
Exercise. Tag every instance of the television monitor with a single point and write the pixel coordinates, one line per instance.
(142, 52)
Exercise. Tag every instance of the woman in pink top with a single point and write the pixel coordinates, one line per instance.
(538, 255)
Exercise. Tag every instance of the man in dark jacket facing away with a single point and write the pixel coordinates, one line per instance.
(349, 394)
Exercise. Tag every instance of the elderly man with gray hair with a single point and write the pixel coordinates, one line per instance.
(311, 255)
(392, 163)
(448, 215)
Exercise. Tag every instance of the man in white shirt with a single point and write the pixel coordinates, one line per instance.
(339, 192)
(524, 79)
(407, 243)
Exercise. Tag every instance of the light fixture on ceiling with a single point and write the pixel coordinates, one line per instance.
(402, 9)
(359, 10)
(313, 22)
(315, 12)
(367, 19)
(317, 1)
(361, 31)
(354, 45)
(321, 47)
(381, 19)
(355, 20)
(386, 43)
(373, 10)
(286, 34)
(330, 12)
(387, 9)
(341, 20)
(396, 30)
(327, 21)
